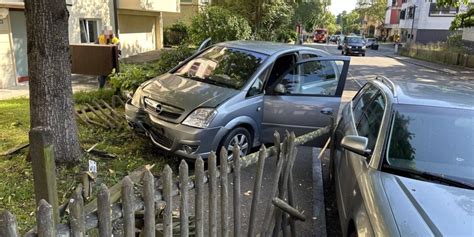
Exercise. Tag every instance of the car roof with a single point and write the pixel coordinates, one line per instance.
(451, 94)
(265, 47)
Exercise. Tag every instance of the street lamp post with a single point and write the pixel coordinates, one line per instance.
(412, 23)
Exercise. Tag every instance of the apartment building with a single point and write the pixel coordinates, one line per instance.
(421, 21)
(138, 23)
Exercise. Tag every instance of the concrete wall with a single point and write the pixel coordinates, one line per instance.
(7, 63)
(468, 34)
(431, 36)
(89, 9)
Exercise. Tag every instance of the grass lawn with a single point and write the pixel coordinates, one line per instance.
(16, 184)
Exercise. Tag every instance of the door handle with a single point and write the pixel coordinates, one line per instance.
(327, 111)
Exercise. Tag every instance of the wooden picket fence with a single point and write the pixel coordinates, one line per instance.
(155, 200)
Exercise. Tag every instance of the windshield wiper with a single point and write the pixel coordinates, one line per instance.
(429, 176)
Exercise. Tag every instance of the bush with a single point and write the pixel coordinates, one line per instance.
(276, 21)
(175, 34)
(220, 24)
(455, 40)
(132, 75)
(87, 97)
(286, 35)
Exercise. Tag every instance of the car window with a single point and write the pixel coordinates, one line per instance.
(222, 66)
(281, 65)
(257, 86)
(312, 78)
(371, 119)
(362, 100)
(308, 56)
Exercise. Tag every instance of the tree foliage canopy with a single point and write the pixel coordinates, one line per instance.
(220, 24)
(374, 9)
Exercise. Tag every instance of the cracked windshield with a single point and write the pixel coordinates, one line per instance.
(237, 118)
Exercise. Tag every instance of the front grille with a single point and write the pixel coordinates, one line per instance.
(166, 111)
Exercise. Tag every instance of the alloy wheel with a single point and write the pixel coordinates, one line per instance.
(242, 141)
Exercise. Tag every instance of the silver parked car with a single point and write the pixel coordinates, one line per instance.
(238, 93)
(403, 160)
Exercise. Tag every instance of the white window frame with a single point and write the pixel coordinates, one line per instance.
(86, 28)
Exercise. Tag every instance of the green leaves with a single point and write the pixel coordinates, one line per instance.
(220, 24)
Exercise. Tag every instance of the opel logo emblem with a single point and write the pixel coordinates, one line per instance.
(158, 108)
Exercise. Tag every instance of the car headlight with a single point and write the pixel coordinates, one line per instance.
(137, 97)
(200, 118)
(363, 47)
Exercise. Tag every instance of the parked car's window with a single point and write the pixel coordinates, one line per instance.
(257, 86)
(371, 119)
(308, 56)
(222, 66)
(281, 65)
(312, 78)
(362, 100)
(432, 139)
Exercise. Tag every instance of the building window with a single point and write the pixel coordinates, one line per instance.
(404, 1)
(394, 3)
(411, 12)
(402, 14)
(436, 10)
(89, 30)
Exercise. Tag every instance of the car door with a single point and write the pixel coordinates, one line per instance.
(304, 98)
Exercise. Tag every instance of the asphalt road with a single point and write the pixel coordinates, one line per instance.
(385, 62)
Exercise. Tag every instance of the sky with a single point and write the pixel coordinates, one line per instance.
(337, 6)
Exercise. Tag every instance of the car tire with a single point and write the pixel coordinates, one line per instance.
(342, 52)
(242, 137)
(363, 55)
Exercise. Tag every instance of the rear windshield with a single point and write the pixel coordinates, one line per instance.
(222, 66)
(432, 139)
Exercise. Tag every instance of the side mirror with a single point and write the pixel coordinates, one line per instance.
(280, 89)
(356, 144)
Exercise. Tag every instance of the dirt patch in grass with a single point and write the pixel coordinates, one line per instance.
(16, 184)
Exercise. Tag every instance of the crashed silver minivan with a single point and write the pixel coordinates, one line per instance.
(238, 93)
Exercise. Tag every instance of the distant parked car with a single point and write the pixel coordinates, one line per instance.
(402, 158)
(372, 43)
(353, 45)
(238, 93)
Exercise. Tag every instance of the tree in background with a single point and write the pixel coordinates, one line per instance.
(351, 23)
(374, 9)
(462, 20)
(49, 71)
(220, 24)
(276, 22)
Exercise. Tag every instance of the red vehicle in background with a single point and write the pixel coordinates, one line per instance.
(320, 35)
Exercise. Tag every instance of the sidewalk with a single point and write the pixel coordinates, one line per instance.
(460, 72)
(79, 83)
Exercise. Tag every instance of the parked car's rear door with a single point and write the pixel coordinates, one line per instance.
(305, 98)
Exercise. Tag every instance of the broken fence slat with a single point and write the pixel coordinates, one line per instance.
(183, 181)
(293, 212)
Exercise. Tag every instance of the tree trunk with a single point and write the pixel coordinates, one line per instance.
(49, 72)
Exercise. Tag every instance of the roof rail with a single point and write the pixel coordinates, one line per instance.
(388, 83)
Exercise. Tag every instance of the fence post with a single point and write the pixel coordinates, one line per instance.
(224, 193)
(212, 194)
(127, 207)
(148, 198)
(167, 216)
(237, 222)
(77, 218)
(8, 225)
(45, 219)
(183, 187)
(199, 184)
(256, 190)
(104, 212)
(44, 168)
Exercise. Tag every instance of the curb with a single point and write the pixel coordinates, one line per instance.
(421, 65)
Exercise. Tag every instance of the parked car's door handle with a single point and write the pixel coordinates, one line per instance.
(326, 111)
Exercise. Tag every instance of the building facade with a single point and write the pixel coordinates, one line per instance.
(139, 25)
(421, 21)
(188, 9)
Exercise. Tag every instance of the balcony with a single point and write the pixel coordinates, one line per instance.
(150, 5)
